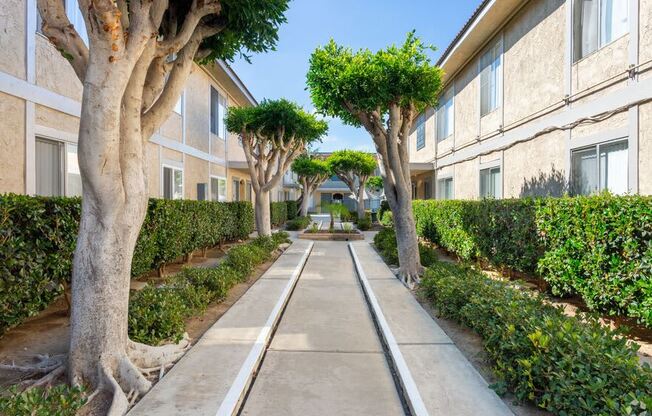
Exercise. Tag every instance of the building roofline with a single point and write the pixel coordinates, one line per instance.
(468, 26)
(237, 81)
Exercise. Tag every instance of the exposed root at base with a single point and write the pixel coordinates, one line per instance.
(411, 280)
(49, 369)
(147, 357)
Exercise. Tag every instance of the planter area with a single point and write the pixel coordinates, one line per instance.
(319, 230)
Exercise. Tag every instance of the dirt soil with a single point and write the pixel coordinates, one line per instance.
(48, 332)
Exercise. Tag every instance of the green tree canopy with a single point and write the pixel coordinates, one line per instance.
(352, 162)
(307, 166)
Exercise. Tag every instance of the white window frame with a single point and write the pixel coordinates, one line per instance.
(64, 146)
(597, 147)
(442, 115)
(440, 187)
(496, 51)
(577, 30)
(181, 104)
(491, 165)
(221, 124)
(175, 167)
(420, 130)
(220, 198)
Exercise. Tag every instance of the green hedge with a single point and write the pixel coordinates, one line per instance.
(566, 365)
(298, 223)
(292, 210)
(38, 237)
(279, 213)
(598, 247)
(158, 314)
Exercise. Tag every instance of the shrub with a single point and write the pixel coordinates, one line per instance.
(385, 242)
(387, 219)
(157, 314)
(567, 365)
(278, 213)
(292, 209)
(281, 237)
(599, 247)
(364, 224)
(298, 223)
(216, 282)
(38, 237)
(384, 206)
(60, 400)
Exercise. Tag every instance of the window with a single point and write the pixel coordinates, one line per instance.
(597, 23)
(235, 190)
(427, 194)
(421, 131)
(172, 183)
(414, 190)
(218, 189)
(445, 188)
(49, 167)
(218, 114)
(490, 183)
(249, 191)
(609, 171)
(57, 170)
(490, 79)
(445, 116)
(178, 107)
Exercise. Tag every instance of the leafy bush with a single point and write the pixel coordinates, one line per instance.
(599, 247)
(279, 213)
(384, 207)
(59, 400)
(292, 209)
(385, 242)
(299, 223)
(364, 224)
(387, 219)
(38, 237)
(157, 314)
(567, 365)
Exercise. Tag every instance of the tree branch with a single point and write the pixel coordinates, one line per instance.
(198, 10)
(63, 35)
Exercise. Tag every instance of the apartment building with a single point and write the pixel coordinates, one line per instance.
(192, 156)
(541, 97)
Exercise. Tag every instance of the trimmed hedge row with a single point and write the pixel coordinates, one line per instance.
(292, 209)
(158, 314)
(599, 247)
(38, 237)
(278, 213)
(566, 365)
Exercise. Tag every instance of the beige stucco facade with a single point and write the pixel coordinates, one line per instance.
(551, 105)
(40, 106)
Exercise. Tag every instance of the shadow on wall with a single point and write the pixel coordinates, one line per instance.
(552, 183)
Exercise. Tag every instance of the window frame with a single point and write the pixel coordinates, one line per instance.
(220, 198)
(439, 134)
(217, 128)
(491, 167)
(596, 147)
(64, 166)
(577, 30)
(441, 187)
(420, 129)
(496, 49)
(175, 168)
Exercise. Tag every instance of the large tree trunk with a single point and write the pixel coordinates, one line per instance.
(305, 201)
(361, 210)
(407, 241)
(263, 217)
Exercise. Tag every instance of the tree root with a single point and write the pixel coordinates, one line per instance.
(147, 357)
(48, 368)
(411, 280)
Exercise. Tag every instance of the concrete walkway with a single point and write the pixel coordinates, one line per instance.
(327, 330)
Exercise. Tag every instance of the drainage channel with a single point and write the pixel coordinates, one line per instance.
(237, 395)
(411, 400)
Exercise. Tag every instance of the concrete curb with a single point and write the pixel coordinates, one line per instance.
(410, 390)
(231, 403)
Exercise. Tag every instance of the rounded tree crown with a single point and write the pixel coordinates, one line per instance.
(274, 120)
(354, 161)
(309, 166)
(342, 81)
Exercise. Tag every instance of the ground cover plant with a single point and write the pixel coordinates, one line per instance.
(566, 365)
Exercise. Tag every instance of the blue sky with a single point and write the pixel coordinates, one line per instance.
(355, 23)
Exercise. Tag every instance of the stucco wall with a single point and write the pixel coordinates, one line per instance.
(645, 149)
(198, 110)
(617, 121)
(54, 119)
(467, 110)
(172, 127)
(528, 43)
(466, 180)
(54, 72)
(12, 141)
(195, 171)
(169, 154)
(601, 65)
(12, 38)
(153, 170)
(645, 34)
(426, 153)
(535, 168)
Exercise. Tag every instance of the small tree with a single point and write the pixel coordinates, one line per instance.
(382, 92)
(312, 173)
(353, 168)
(273, 134)
(133, 69)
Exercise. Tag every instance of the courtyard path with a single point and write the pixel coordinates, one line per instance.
(328, 330)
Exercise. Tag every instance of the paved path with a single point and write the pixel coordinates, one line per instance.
(328, 330)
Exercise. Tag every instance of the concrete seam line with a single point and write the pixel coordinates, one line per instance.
(232, 399)
(414, 399)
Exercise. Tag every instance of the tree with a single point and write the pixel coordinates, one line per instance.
(312, 173)
(133, 69)
(382, 92)
(354, 169)
(273, 134)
